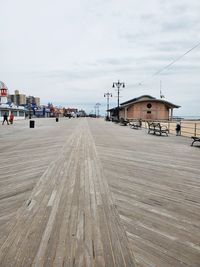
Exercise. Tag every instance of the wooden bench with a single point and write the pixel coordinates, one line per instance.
(107, 118)
(151, 127)
(115, 120)
(195, 139)
(135, 125)
(123, 122)
(156, 127)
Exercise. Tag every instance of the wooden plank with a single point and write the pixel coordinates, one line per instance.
(156, 188)
(90, 193)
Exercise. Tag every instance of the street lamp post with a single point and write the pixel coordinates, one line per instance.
(108, 95)
(95, 112)
(118, 85)
(97, 108)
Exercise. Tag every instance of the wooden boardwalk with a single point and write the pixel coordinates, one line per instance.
(85, 192)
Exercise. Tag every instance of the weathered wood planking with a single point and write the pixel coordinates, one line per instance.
(24, 155)
(69, 218)
(155, 183)
(70, 190)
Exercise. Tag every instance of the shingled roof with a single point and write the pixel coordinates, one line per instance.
(148, 98)
(137, 98)
(143, 98)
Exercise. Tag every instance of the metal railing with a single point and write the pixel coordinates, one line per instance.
(188, 128)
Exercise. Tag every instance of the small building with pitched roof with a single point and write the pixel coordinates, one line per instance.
(145, 107)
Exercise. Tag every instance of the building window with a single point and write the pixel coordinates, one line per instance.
(21, 113)
(149, 105)
(15, 113)
(3, 112)
(148, 111)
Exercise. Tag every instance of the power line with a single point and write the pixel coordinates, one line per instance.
(172, 63)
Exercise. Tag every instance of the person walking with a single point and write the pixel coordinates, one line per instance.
(5, 118)
(178, 128)
(11, 119)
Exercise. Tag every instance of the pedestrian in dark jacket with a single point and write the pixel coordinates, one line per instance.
(5, 118)
(178, 129)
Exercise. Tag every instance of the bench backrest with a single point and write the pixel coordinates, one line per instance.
(154, 124)
(157, 125)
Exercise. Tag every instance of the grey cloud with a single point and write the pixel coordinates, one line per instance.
(147, 17)
(136, 38)
(179, 7)
(90, 43)
(181, 24)
(187, 69)
(76, 75)
(118, 61)
(174, 45)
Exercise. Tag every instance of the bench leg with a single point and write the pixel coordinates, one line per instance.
(194, 142)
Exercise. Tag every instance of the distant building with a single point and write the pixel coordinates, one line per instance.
(33, 101)
(144, 107)
(18, 99)
(69, 111)
(42, 111)
(82, 113)
(37, 101)
(18, 111)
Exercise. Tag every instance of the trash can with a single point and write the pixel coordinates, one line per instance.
(32, 124)
(56, 119)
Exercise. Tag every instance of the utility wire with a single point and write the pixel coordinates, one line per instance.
(172, 63)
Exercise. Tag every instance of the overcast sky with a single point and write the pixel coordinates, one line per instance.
(70, 52)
